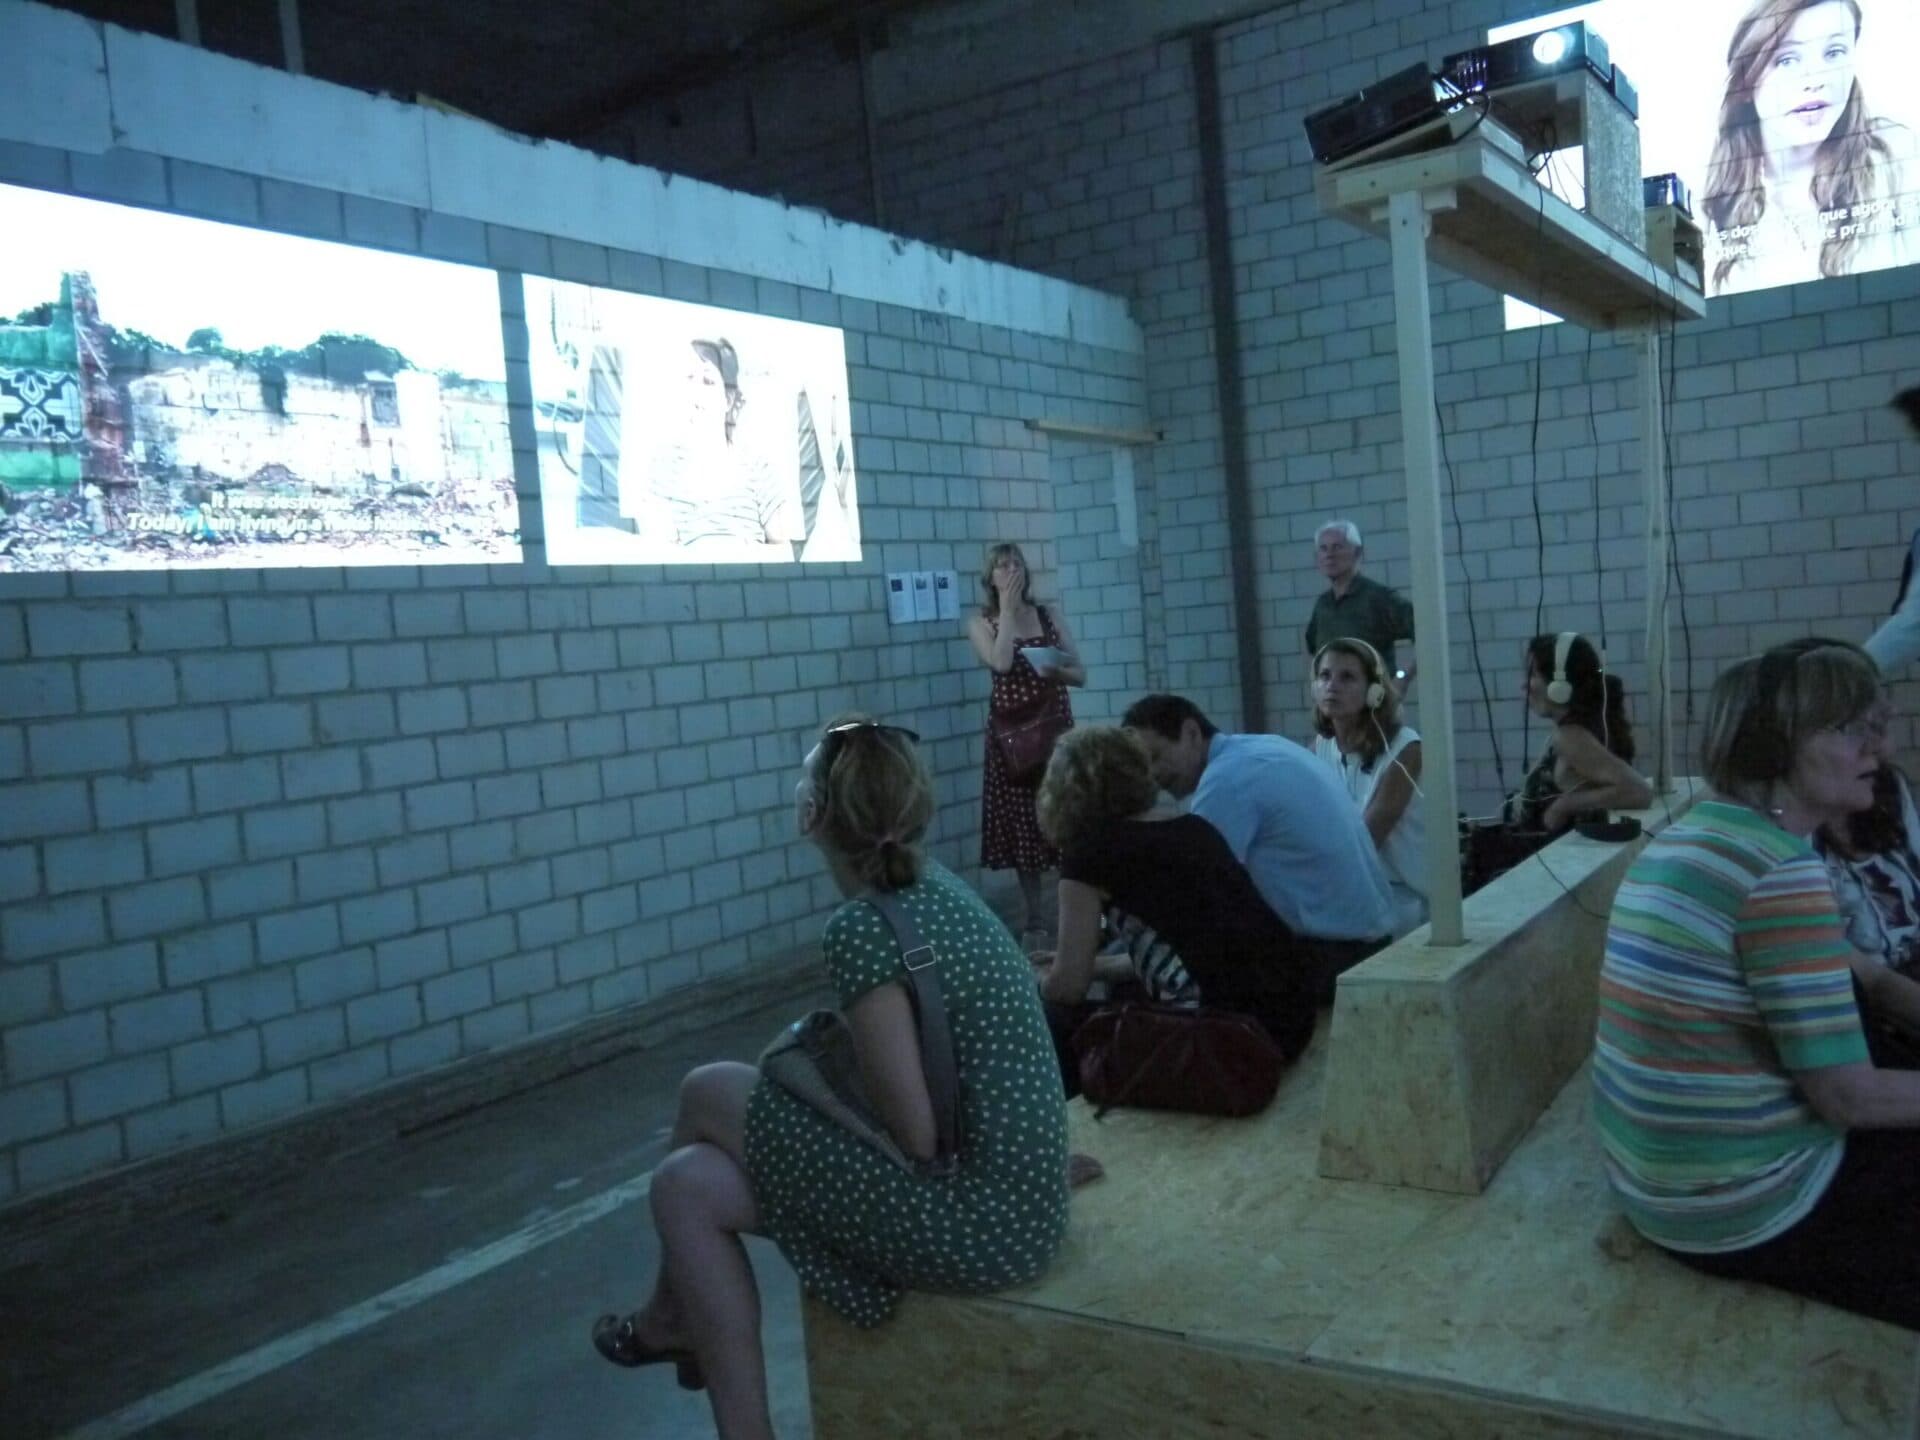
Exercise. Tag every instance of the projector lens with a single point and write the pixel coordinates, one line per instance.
(1551, 47)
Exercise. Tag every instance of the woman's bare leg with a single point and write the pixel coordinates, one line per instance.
(702, 1205)
(705, 1298)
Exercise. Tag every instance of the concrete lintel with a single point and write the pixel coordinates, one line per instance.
(91, 88)
(938, 56)
(57, 94)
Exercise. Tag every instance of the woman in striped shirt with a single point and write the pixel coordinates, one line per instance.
(1745, 1128)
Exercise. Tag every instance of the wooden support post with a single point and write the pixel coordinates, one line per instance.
(186, 21)
(1653, 443)
(293, 53)
(1408, 225)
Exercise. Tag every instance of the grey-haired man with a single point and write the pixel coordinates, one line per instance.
(1354, 607)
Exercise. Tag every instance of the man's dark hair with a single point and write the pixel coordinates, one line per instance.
(1907, 402)
(1165, 714)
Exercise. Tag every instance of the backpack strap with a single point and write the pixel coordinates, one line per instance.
(930, 1018)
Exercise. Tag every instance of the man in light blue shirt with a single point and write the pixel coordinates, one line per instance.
(1285, 817)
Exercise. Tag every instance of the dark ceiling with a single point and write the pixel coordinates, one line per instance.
(553, 68)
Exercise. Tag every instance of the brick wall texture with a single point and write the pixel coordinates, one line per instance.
(273, 838)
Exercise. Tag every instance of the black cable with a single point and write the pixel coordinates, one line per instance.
(1568, 890)
(1547, 137)
(1467, 97)
(1676, 576)
(1593, 439)
(1466, 571)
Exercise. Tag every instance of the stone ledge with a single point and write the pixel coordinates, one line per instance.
(1441, 1059)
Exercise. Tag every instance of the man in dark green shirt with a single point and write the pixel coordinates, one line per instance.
(1356, 607)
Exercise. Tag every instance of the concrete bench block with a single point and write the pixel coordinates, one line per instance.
(1443, 1058)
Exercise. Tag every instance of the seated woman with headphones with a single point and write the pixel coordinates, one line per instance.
(1358, 731)
(1588, 764)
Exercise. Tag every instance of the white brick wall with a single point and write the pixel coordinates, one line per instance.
(268, 839)
(1794, 487)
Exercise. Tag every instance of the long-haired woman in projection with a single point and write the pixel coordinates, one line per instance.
(1805, 180)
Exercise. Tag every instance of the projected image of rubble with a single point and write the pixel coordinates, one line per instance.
(185, 402)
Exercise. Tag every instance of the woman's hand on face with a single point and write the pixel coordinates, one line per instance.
(1011, 588)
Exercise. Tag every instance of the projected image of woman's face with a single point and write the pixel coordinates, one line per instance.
(1807, 80)
(706, 391)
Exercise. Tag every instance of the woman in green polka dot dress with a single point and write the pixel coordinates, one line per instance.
(747, 1157)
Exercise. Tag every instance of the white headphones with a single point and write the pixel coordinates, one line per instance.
(1560, 688)
(1370, 658)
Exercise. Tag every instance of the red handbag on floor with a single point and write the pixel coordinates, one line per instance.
(1169, 1057)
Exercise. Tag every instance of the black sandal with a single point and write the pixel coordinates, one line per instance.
(614, 1336)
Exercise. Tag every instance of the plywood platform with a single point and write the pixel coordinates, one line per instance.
(1214, 1284)
(1443, 1057)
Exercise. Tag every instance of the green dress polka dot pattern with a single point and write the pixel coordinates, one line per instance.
(859, 1230)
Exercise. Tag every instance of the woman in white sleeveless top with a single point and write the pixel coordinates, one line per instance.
(1356, 717)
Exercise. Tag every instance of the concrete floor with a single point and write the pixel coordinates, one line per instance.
(503, 1355)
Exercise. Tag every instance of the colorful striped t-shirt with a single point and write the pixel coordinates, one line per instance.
(1726, 969)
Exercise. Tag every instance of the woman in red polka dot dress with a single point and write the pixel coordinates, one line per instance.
(1009, 622)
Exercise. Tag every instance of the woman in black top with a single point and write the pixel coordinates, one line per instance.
(1166, 884)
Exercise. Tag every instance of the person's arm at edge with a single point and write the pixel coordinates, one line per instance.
(1861, 1096)
(1896, 643)
(1071, 972)
(1607, 781)
(1393, 794)
(887, 1046)
(1889, 994)
(1799, 968)
(1071, 670)
(994, 649)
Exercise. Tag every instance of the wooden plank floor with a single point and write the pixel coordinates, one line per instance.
(1215, 1284)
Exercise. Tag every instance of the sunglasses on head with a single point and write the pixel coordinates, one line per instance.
(834, 739)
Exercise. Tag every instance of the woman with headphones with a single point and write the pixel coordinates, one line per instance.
(1588, 762)
(1358, 731)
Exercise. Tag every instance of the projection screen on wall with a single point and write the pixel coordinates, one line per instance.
(178, 393)
(678, 433)
(1794, 125)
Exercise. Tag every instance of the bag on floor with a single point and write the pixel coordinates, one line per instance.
(1169, 1057)
(813, 1059)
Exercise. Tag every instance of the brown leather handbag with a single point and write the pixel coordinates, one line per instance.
(1025, 739)
(1170, 1057)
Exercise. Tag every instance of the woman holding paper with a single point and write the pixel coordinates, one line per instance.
(1031, 655)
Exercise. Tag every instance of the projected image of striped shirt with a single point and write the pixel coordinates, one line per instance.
(1726, 970)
